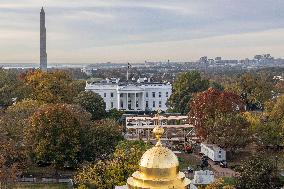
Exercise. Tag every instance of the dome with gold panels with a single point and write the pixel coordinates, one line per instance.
(159, 168)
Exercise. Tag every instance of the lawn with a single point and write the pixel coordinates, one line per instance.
(40, 186)
(186, 160)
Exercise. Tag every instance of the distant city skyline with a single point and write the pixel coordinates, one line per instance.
(90, 31)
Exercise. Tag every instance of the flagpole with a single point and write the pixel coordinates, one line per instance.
(127, 72)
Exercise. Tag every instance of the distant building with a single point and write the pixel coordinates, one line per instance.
(213, 152)
(43, 54)
(140, 95)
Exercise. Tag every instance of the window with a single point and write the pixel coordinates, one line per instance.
(137, 104)
(147, 94)
(121, 104)
(111, 105)
(137, 95)
(154, 104)
(121, 95)
(105, 95)
(167, 94)
(128, 95)
(153, 94)
(147, 104)
(160, 104)
(111, 95)
(160, 94)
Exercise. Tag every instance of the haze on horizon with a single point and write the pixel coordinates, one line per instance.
(89, 31)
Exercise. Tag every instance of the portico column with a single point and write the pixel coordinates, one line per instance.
(118, 100)
(126, 101)
(143, 108)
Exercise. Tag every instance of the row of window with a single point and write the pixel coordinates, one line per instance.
(153, 104)
(137, 104)
(147, 95)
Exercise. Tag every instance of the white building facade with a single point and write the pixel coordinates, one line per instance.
(213, 152)
(132, 96)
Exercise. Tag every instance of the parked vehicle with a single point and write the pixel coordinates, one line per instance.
(223, 164)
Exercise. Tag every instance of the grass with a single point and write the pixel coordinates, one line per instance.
(40, 186)
(186, 160)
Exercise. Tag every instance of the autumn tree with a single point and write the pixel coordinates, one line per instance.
(12, 159)
(113, 172)
(184, 87)
(258, 173)
(50, 87)
(216, 117)
(93, 103)
(219, 184)
(54, 134)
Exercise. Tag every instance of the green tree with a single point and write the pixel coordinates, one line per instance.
(255, 89)
(184, 87)
(93, 103)
(99, 139)
(258, 173)
(55, 133)
(12, 87)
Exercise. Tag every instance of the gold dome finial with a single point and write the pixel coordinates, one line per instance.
(158, 130)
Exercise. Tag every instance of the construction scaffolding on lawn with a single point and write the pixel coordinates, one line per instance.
(178, 132)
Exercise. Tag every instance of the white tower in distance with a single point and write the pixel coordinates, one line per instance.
(43, 54)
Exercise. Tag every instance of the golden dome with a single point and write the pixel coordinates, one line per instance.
(159, 168)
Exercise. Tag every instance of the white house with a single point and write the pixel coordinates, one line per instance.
(202, 178)
(213, 152)
(140, 95)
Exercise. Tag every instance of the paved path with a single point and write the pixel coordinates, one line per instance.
(220, 171)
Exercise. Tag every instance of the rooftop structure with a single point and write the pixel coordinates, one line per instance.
(135, 95)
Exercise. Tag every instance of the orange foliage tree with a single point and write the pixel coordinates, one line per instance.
(217, 119)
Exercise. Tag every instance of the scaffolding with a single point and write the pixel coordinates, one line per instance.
(178, 131)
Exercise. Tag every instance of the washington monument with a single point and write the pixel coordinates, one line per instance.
(43, 54)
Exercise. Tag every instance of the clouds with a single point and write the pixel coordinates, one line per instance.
(83, 28)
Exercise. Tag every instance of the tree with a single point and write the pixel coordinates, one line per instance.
(15, 120)
(93, 103)
(99, 139)
(12, 87)
(217, 118)
(54, 134)
(50, 87)
(258, 173)
(255, 89)
(12, 159)
(184, 87)
(113, 172)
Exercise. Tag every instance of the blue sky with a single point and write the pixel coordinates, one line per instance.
(88, 31)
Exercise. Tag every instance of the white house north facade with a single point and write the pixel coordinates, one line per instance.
(140, 95)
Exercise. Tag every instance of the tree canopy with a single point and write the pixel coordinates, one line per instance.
(258, 173)
(185, 85)
(217, 119)
(114, 172)
(93, 103)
